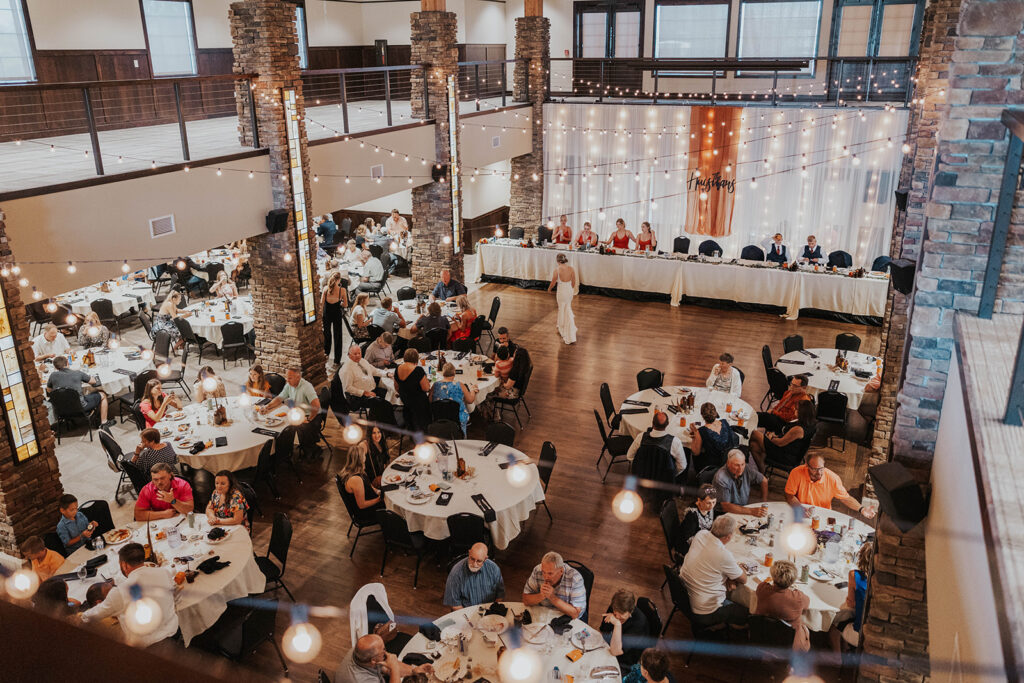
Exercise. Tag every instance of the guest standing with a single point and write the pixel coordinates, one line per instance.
(414, 390)
(334, 299)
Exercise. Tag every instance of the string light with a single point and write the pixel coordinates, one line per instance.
(36, 294)
(71, 267)
(519, 665)
(424, 453)
(163, 370)
(143, 615)
(302, 640)
(5, 271)
(296, 415)
(353, 433)
(16, 269)
(627, 504)
(22, 584)
(147, 354)
(124, 266)
(113, 343)
(798, 539)
(287, 257)
(210, 384)
(23, 282)
(517, 472)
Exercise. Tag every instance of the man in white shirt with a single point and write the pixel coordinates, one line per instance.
(658, 435)
(298, 393)
(373, 273)
(357, 378)
(396, 224)
(351, 253)
(153, 582)
(709, 572)
(50, 343)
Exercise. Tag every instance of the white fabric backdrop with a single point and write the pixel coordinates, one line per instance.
(848, 204)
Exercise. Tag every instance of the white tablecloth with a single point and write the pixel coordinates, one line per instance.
(484, 385)
(826, 599)
(709, 279)
(228, 258)
(122, 297)
(107, 363)
(636, 423)
(484, 653)
(202, 325)
(821, 372)
(512, 505)
(200, 603)
(243, 448)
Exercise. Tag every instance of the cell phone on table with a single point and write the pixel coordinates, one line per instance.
(220, 441)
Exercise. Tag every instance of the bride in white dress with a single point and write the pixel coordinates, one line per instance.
(565, 279)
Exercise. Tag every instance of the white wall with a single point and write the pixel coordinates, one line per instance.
(486, 192)
(334, 23)
(382, 205)
(86, 24)
(483, 21)
(213, 29)
(387, 21)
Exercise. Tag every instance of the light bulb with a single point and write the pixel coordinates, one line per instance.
(703, 196)
(798, 539)
(93, 330)
(22, 584)
(753, 182)
(210, 384)
(906, 148)
(16, 269)
(71, 267)
(600, 214)
(71, 319)
(296, 415)
(51, 307)
(551, 224)
(36, 294)
(423, 452)
(520, 665)
(243, 400)
(447, 239)
(113, 343)
(498, 232)
(627, 505)
(5, 271)
(302, 642)
(143, 616)
(124, 267)
(180, 264)
(163, 370)
(287, 257)
(353, 433)
(517, 474)
(23, 282)
(147, 354)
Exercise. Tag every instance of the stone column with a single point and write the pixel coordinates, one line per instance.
(265, 44)
(529, 84)
(434, 47)
(30, 491)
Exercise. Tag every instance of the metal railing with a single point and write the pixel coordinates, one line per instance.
(359, 99)
(479, 81)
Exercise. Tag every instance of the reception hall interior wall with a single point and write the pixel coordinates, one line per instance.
(829, 172)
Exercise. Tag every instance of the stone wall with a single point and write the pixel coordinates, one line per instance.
(265, 44)
(29, 493)
(529, 84)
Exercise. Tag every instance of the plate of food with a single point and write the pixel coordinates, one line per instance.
(407, 460)
(492, 623)
(165, 432)
(420, 497)
(216, 535)
(117, 536)
(450, 668)
(186, 444)
(176, 415)
(394, 479)
(183, 428)
(537, 634)
(273, 421)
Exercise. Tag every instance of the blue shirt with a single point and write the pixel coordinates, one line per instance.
(70, 528)
(570, 588)
(465, 587)
(387, 320)
(445, 291)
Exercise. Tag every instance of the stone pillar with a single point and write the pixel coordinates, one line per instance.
(434, 46)
(30, 491)
(529, 84)
(265, 44)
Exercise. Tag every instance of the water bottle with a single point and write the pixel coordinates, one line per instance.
(98, 543)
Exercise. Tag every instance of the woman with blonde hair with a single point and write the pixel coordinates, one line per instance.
(360, 318)
(780, 600)
(93, 333)
(224, 286)
(333, 301)
(463, 320)
(163, 321)
(357, 484)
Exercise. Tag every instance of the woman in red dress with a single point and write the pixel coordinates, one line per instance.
(621, 238)
(562, 233)
(463, 320)
(587, 237)
(645, 240)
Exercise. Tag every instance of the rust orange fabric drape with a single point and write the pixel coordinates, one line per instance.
(713, 128)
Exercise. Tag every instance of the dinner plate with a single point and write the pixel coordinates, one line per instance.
(419, 499)
(126, 535)
(186, 444)
(820, 574)
(273, 421)
(404, 460)
(492, 623)
(537, 634)
(451, 668)
(592, 641)
(453, 631)
(177, 415)
(394, 479)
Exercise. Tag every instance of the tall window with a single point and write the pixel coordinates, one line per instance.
(691, 29)
(780, 29)
(300, 31)
(15, 49)
(607, 28)
(172, 45)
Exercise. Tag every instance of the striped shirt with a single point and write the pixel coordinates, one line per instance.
(569, 589)
(465, 588)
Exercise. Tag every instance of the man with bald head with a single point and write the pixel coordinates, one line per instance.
(369, 662)
(474, 580)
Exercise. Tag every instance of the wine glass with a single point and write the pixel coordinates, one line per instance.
(83, 572)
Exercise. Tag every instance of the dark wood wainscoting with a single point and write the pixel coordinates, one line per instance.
(473, 229)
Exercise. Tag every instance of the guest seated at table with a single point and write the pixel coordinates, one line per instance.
(812, 251)
(725, 377)
(387, 316)
(814, 484)
(155, 403)
(326, 229)
(448, 289)
(350, 255)
(298, 393)
(154, 582)
(396, 224)
(502, 338)
(208, 385)
(848, 621)
(448, 389)
(380, 353)
(777, 251)
(653, 667)
(64, 377)
(378, 456)
(256, 384)
(431, 320)
(463, 320)
(97, 593)
(150, 451)
(369, 662)
(164, 497)
(414, 390)
(790, 444)
(785, 410)
(74, 528)
(364, 254)
(50, 344)
(373, 273)
(734, 483)
(587, 237)
(625, 629)
(621, 238)
(710, 572)
(659, 437)
(474, 580)
(503, 363)
(780, 600)
(555, 584)
(163, 321)
(711, 441)
(93, 334)
(227, 506)
(360, 317)
(562, 233)
(358, 378)
(645, 239)
(358, 483)
(224, 286)
(44, 562)
(52, 598)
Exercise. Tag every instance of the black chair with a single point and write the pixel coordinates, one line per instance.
(51, 541)
(464, 530)
(847, 341)
(136, 476)
(373, 331)
(320, 421)
(649, 378)
(488, 324)
(438, 339)
(249, 493)
(545, 468)
(669, 517)
(774, 636)
(502, 404)
(588, 585)
(162, 354)
(793, 342)
(98, 511)
(104, 308)
(67, 407)
(752, 253)
(445, 430)
(766, 358)
(881, 264)
(147, 323)
(406, 293)
(610, 415)
(233, 334)
(650, 612)
(244, 276)
(202, 482)
(322, 677)
(544, 234)
(778, 383)
(501, 432)
(191, 339)
(114, 454)
(364, 526)
(476, 330)
(264, 470)
(239, 631)
(37, 314)
(515, 233)
(681, 603)
(681, 245)
(276, 383)
(709, 247)
(444, 409)
(421, 344)
(655, 463)
(617, 446)
(397, 536)
(66, 321)
(280, 541)
(839, 259)
(832, 411)
(131, 399)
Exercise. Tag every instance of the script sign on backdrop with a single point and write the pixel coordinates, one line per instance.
(711, 177)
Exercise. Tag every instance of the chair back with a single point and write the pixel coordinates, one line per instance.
(743, 375)
(60, 316)
(476, 328)
(382, 411)
(374, 331)
(359, 620)
(421, 344)
(681, 245)
(185, 328)
(444, 409)
(881, 264)
(465, 345)
(136, 475)
(113, 450)
(766, 358)
(202, 487)
(495, 306)
(677, 590)
(501, 432)
(709, 247)
(438, 338)
(265, 461)
(832, 406)
(276, 383)
(752, 252)
(515, 233)
(669, 517)
(777, 382)
(544, 234)
(445, 429)
(66, 403)
(162, 345)
(600, 428)
(339, 404)
(147, 323)
(394, 528)
(546, 462)
(588, 584)
(525, 381)
(104, 308)
(253, 502)
(280, 539)
(607, 403)
(653, 462)
(51, 541)
(649, 378)
(840, 259)
(37, 311)
(650, 612)
(98, 511)
(770, 632)
(141, 380)
(233, 333)
(793, 342)
(847, 341)
(322, 677)
(406, 293)
(465, 529)
(213, 269)
(347, 499)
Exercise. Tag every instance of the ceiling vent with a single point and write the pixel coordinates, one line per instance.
(377, 171)
(164, 225)
(496, 141)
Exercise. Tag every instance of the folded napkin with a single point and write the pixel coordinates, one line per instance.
(634, 411)
(197, 447)
(791, 362)
(485, 507)
(430, 631)
(631, 402)
(416, 659)
(399, 467)
(561, 624)
(388, 487)
(486, 450)
(265, 432)
(212, 565)
(497, 608)
(660, 392)
(122, 371)
(833, 385)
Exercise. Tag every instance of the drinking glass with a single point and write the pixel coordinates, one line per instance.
(83, 572)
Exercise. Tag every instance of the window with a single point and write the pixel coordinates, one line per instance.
(627, 34)
(897, 29)
(607, 28)
(855, 30)
(172, 45)
(780, 30)
(15, 49)
(691, 30)
(300, 31)
(593, 34)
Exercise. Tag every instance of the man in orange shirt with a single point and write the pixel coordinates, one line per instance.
(784, 411)
(45, 562)
(814, 484)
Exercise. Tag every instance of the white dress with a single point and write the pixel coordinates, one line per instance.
(566, 320)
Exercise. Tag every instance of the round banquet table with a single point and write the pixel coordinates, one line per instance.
(471, 367)
(108, 362)
(512, 505)
(198, 604)
(243, 448)
(408, 310)
(484, 651)
(228, 258)
(826, 599)
(821, 371)
(203, 326)
(637, 423)
(122, 296)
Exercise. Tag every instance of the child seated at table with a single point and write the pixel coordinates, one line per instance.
(45, 562)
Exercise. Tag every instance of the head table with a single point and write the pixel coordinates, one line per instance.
(512, 505)
(821, 371)
(740, 413)
(243, 445)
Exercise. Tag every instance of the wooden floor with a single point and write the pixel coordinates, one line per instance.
(616, 339)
